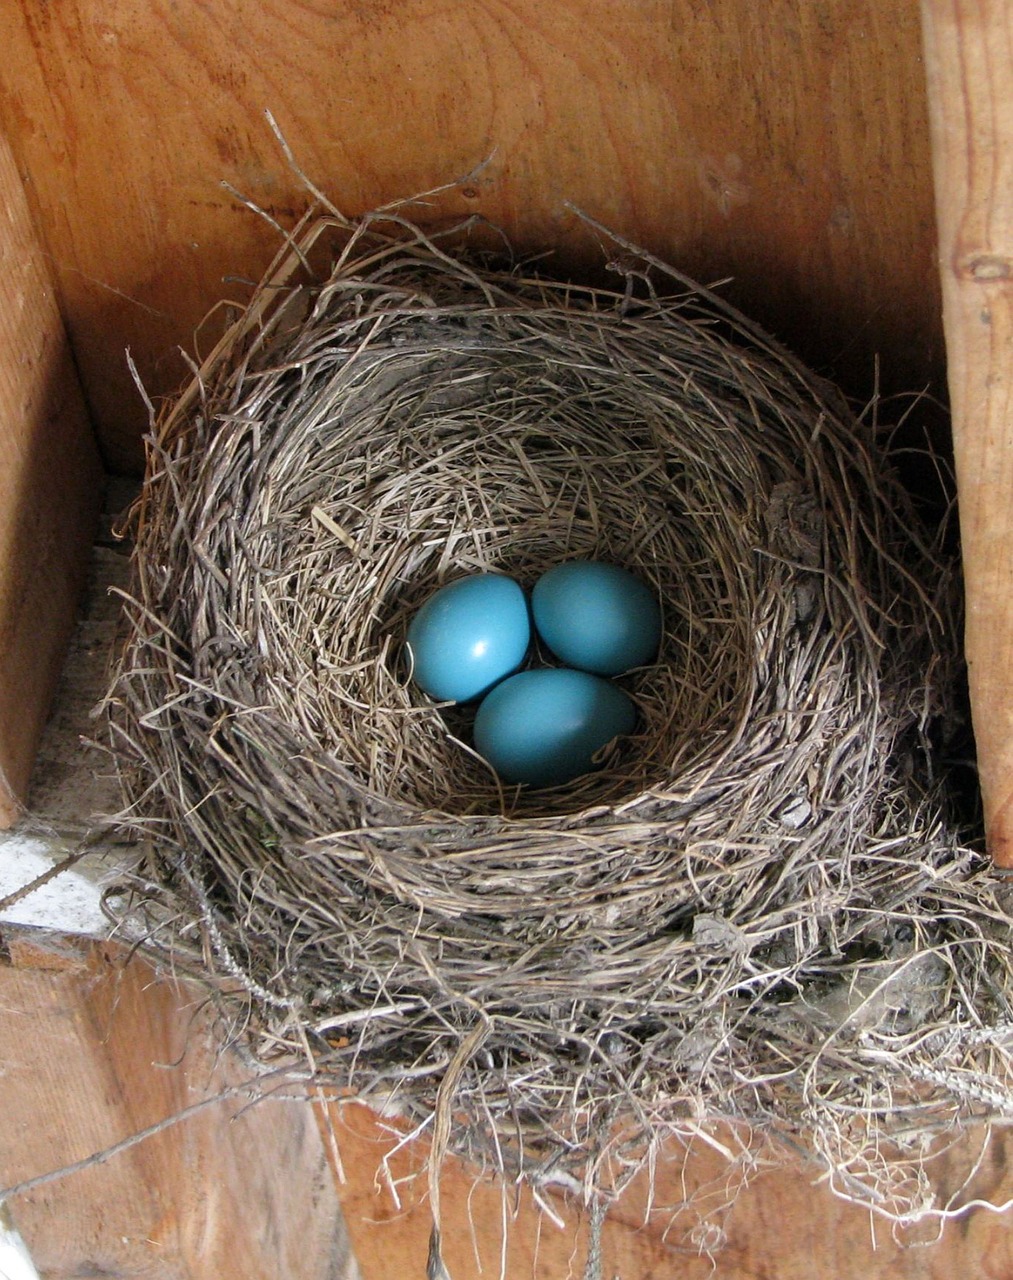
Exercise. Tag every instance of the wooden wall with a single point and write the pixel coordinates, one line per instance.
(784, 144)
(50, 489)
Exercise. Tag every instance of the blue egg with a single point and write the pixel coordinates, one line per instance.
(469, 635)
(596, 616)
(544, 727)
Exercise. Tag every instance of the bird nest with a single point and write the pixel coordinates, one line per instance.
(756, 911)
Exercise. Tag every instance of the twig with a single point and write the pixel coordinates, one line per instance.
(44, 878)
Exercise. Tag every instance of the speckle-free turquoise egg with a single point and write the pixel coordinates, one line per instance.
(468, 635)
(596, 616)
(544, 727)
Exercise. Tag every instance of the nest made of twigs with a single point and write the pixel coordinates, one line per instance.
(756, 910)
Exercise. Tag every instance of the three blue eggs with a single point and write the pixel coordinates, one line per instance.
(546, 726)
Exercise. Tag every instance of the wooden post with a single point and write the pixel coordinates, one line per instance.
(50, 488)
(969, 64)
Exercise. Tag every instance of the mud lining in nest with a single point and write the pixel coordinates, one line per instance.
(758, 911)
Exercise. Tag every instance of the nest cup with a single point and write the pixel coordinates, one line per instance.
(764, 868)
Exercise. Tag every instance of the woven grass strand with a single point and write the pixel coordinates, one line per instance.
(758, 911)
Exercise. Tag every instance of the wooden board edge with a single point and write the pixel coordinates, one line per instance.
(50, 489)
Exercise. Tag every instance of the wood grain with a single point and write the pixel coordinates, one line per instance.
(50, 487)
(782, 144)
(969, 56)
(95, 1049)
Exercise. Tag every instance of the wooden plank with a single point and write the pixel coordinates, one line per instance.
(784, 144)
(95, 1049)
(969, 60)
(785, 1224)
(49, 490)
